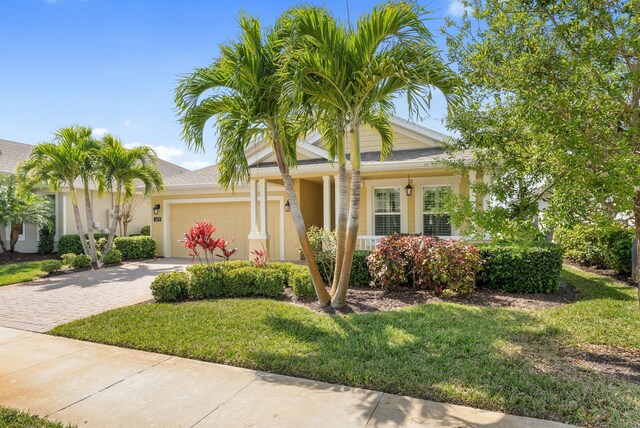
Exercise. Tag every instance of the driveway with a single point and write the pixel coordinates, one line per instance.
(45, 303)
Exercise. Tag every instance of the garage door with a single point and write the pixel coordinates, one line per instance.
(232, 220)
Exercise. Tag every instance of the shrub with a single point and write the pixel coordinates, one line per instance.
(602, 247)
(424, 262)
(302, 285)
(112, 257)
(170, 287)
(360, 274)
(136, 247)
(46, 240)
(70, 243)
(221, 280)
(520, 268)
(145, 231)
(288, 269)
(67, 259)
(50, 266)
(81, 261)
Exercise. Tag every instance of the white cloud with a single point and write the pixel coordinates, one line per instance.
(457, 8)
(194, 164)
(164, 152)
(99, 132)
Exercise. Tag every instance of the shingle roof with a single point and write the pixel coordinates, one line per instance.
(12, 154)
(206, 175)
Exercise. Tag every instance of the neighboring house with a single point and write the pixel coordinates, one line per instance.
(12, 153)
(387, 205)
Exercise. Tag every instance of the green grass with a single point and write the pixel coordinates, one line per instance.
(11, 418)
(498, 359)
(20, 272)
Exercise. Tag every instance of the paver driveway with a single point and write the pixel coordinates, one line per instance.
(43, 304)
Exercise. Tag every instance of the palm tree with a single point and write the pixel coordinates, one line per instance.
(353, 76)
(18, 208)
(121, 170)
(247, 104)
(59, 163)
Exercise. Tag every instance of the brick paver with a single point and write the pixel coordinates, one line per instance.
(43, 304)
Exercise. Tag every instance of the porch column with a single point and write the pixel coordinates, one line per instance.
(486, 179)
(472, 193)
(326, 202)
(253, 189)
(263, 207)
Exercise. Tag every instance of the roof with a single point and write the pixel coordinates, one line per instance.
(206, 175)
(12, 153)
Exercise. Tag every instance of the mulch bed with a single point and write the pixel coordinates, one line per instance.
(15, 257)
(604, 272)
(366, 299)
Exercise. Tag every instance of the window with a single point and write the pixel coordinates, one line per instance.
(386, 211)
(434, 222)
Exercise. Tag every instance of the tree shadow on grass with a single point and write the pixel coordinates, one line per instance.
(599, 287)
(490, 358)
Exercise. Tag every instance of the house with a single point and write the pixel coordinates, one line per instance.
(12, 153)
(399, 194)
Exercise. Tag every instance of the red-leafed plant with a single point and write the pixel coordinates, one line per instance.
(260, 258)
(200, 242)
(226, 251)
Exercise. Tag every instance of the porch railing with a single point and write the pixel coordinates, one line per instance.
(370, 242)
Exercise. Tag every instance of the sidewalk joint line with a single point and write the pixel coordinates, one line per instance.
(223, 403)
(382, 394)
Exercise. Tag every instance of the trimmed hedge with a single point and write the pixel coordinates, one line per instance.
(591, 245)
(520, 268)
(359, 270)
(145, 231)
(113, 256)
(68, 258)
(51, 266)
(234, 280)
(81, 261)
(70, 243)
(170, 287)
(136, 247)
(302, 285)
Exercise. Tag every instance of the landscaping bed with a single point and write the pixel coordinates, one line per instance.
(367, 299)
(16, 257)
(527, 362)
(12, 418)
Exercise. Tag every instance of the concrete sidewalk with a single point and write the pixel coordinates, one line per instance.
(105, 386)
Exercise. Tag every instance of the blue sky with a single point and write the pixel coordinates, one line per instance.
(113, 65)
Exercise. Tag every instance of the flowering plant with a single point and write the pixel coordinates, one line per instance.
(226, 252)
(200, 242)
(260, 258)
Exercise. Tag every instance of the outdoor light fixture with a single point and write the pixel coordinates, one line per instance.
(408, 189)
(287, 206)
(156, 209)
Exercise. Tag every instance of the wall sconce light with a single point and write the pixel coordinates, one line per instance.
(287, 206)
(156, 209)
(408, 189)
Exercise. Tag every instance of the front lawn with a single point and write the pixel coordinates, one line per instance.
(516, 361)
(11, 418)
(20, 272)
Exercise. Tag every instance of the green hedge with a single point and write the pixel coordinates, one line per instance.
(234, 280)
(136, 247)
(359, 270)
(170, 287)
(520, 268)
(70, 243)
(591, 245)
(302, 285)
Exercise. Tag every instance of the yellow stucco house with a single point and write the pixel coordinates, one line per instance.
(399, 195)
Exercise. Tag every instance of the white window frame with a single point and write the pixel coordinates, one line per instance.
(419, 184)
(423, 212)
(374, 213)
(392, 183)
(21, 237)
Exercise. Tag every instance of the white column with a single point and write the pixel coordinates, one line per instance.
(264, 230)
(326, 202)
(472, 192)
(336, 180)
(486, 179)
(253, 190)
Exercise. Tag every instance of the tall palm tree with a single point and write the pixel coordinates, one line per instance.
(355, 75)
(60, 163)
(121, 169)
(247, 105)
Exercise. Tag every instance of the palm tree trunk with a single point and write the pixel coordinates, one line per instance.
(340, 298)
(2, 246)
(114, 222)
(76, 214)
(341, 220)
(13, 238)
(323, 296)
(89, 212)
